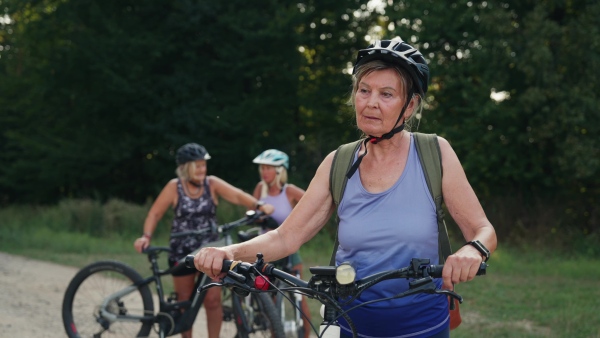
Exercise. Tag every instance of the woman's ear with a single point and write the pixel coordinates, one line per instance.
(410, 109)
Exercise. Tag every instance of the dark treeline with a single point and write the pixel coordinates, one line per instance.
(95, 96)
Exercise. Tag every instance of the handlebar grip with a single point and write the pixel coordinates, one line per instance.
(435, 271)
(226, 265)
(482, 269)
(189, 262)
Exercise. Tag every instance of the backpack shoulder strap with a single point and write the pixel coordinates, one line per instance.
(430, 156)
(342, 161)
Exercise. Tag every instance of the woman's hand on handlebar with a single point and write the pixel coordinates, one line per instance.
(210, 261)
(461, 267)
(267, 209)
(141, 243)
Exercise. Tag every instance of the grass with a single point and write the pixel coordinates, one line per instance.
(532, 295)
(526, 293)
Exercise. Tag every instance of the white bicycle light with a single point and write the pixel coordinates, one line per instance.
(345, 274)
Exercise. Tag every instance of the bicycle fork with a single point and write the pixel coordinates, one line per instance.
(329, 327)
(297, 321)
(243, 313)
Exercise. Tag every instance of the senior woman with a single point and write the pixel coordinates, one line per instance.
(387, 215)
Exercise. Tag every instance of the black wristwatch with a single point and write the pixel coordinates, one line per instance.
(259, 204)
(481, 248)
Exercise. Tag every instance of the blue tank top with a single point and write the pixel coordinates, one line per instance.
(384, 231)
(281, 203)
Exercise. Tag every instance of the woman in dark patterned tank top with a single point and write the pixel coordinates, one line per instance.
(194, 196)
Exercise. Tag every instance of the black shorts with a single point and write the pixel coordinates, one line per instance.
(182, 271)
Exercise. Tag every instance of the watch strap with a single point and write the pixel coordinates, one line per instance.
(481, 248)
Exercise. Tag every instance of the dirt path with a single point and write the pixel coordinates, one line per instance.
(31, 294)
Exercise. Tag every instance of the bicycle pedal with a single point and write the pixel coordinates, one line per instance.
(172, 297)
(227, 313)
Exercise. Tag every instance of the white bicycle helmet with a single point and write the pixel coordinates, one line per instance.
(273, 157)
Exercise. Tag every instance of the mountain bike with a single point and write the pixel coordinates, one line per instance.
(111, 299)
(288, 304)
(333, 286)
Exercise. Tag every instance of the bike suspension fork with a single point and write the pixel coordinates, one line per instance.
(329, 327)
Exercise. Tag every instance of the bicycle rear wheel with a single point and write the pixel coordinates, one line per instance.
(256, 310)
(88, 311)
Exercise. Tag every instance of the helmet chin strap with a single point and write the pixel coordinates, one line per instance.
(375, 139)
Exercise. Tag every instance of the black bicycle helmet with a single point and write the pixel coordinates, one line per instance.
(410, 59)
(400, 53)
(191, 152)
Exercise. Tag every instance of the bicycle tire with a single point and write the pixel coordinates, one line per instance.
(229, 327)
(257, 309)
(290, 316)
(86, 292)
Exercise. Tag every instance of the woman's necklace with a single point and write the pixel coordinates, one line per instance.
(198, 186)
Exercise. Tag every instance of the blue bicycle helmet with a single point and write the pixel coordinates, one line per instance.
(191, 152)
(273, 157)
(400, 53)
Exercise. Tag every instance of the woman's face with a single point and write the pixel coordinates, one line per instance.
(378, 101)
(198, 171)
(268, 173)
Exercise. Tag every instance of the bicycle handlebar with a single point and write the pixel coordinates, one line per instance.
(251, 217)
(241, 273)
(245, 278)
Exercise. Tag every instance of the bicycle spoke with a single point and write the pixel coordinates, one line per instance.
(89, 310)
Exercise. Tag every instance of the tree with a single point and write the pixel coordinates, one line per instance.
(512, 91)
(98, 95)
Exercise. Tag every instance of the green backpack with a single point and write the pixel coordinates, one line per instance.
(430, 156)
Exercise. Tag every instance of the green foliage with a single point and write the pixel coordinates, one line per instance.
(113, 219)
(106, 91)
(534, 142)
(95, 96)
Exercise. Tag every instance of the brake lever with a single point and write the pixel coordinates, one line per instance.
(230, 281)
(450, 293)
(236, 277)
(426, 285)
(208, 286)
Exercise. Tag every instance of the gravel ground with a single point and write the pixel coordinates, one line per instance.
(31, 294)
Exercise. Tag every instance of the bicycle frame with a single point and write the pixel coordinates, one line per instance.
(128, 299)
(192, 306)
(180, 321)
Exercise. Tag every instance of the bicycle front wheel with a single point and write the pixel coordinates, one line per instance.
(291, 317)
(100, 301)
(250, 317)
